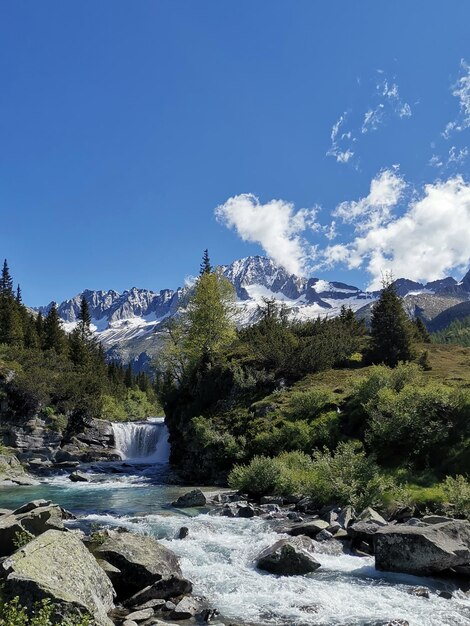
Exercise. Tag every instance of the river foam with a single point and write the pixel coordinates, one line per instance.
(219, 553)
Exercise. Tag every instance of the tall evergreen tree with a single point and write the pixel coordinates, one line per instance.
(19, 299)
(421, 332)
(53, 334)
(6, 281)
(206, 267)
(391, 336)
(84, 324)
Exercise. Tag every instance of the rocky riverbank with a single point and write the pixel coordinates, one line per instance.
(113, 575)
(423, 546)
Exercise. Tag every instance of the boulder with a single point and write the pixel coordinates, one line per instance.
(164, 589)
(289, 557)
(140, 616)
(141, 560)
(369, 515)
(58, 566)
(27, 522)
(79, 477)
(310, 529)
(186, 608)
(363, 531)
(183, 532)
(193, 498)
(279, 500)
(423, 550)
(346, 517)
(12, 472)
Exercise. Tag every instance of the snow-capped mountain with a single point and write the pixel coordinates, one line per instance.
(129, 324)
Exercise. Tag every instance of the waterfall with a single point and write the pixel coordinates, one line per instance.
(142, 442)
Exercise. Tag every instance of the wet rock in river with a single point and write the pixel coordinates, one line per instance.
(194, 498)
(289, 557)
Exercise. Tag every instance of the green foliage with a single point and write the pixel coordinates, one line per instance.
(346, 476)
(42, 614)
(309, 404)
(457, 491)
(458, 332)
(391, 332)
(414, 423)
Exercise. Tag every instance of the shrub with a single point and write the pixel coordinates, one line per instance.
(457, 491)
(261, 476)
(42, 614)
(412, 423)
(307, 405)
(347, 476)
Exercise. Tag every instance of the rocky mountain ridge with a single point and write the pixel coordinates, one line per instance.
(129, 324)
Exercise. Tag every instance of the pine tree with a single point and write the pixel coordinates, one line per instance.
(421, 332)
(206, 267)
(84, 324)
(390, 329)
(53, 334)
(129, 377)
(6, 281)
(19, 299)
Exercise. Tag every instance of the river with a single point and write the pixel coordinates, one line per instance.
(218, 554)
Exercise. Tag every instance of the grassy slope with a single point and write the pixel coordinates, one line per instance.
(450, 365)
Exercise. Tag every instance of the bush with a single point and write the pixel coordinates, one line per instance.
(413, 423)
(307, 405)
(348, 476)
(457, 491)
(42, 614)
(261, 476)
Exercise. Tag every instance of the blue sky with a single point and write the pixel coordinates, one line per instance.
(124, 125)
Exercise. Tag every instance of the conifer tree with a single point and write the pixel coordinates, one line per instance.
(53, 335)
(421, 332)
(84, 324)
(19, 299)
(390, 329)
(206, 267)
(6, 281)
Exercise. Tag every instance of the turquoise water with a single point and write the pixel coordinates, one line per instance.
(219, 553)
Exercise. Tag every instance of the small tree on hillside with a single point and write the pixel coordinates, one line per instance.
(391, 334)
(6, 281)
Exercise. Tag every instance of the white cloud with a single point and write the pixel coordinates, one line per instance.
(342, 153)
(461, 90)
(386, 103)
(426, 243)
(276, 226)
(374, 210)
(455, 156)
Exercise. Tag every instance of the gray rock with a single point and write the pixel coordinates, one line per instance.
(279, 500)
(141, 560)
(346, 517)
(423, 551)
(324, 535)
(186, 608)
(57, 565)
(447, 595)
(194, 498)
(289, 557)
(79, 477)
(271, 508)
(140, 616)
(419, 592)
(364, 532)
(162, 589)
(129, 623)
(310, 529)
(183, 532)
(436, 519)
(246, 511)
(369, 515)
(31, 520)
